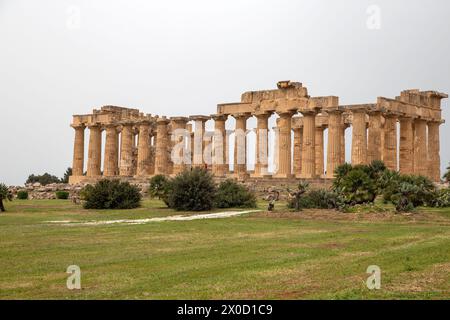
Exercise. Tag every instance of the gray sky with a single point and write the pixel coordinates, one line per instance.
(178, 57)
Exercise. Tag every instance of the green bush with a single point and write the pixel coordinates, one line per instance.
(230, 194)
(160, 188)
(22, 195)
(441, 198)
(62, 195)
(355, 184)
(395, 186)
(317, 199)
(192, 191)
(111, 194)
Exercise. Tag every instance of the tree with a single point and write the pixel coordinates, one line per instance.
(296, 195)
(44, 179)
(67, 174)
(5, 195)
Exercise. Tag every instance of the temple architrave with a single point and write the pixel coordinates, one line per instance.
(403, 132)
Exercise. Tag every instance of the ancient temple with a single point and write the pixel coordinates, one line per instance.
(403, 132)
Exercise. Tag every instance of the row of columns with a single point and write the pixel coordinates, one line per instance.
(418, 153)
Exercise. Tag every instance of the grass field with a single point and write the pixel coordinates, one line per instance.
(282, 255)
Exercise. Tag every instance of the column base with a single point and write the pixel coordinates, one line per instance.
(76, 179)
(261, 176)
(284, 176)
(308, 176)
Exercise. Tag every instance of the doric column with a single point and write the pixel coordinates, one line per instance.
(309, 145)
(319, 151)
(126, 150)
(162, 140)
(298, 141)
(359, 137)
(78, 151)
(390, 141)
(334, 152)
(420, 147)
(374, 140)
(406, 162)
(111, 165)
(240, 145)
(219, 166)
(199, 143)
(144, 154)
(95, 151)
(344, 127)
(434, 151)
(180, 156)
(262, 148)
(284, 145)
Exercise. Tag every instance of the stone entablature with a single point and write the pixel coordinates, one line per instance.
(141, 145)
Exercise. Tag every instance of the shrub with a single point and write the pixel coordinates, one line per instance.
(355, 185)
(447, 174)
(5, 195)
(403, 199)
(22, 195)
(160, 188)
(111, 194)
(192, 191)
(441, 198)
(392, 185)
(317, 199)
(62, 195)
(233, 195)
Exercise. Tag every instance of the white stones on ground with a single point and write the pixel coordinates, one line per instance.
(218, 215)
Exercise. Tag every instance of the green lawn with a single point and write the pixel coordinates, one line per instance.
(318, 255)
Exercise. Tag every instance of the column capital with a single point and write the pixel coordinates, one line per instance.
(78, 126)
(162, 121)
(262, 114)
(286, 114)
(241, 115)
(179, 119)
(93, 125)
(199, 118)
(336, 109)
(219, 117)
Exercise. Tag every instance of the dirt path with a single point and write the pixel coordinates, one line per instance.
(218, 215)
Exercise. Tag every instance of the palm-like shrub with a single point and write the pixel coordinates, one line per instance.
(5, 195)
(111, 194)
(441, 198)
(447, 174)
(192, 191)
(160, 188)
(231, 194)
(404, 198)
(355, 186)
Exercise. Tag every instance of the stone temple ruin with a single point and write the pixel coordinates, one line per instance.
(139, 145)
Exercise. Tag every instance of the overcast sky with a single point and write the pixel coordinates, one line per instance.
(59, 58)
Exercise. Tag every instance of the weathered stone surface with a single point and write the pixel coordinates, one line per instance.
(147, 149)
